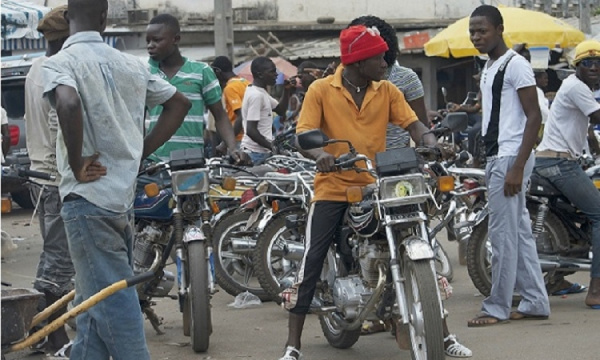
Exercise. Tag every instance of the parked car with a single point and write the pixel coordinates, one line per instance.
(14, 72)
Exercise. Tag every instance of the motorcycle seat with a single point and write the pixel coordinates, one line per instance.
(540, 186)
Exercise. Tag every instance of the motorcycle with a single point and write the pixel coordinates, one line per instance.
(562, 234)
(176, 216)
(381, 267)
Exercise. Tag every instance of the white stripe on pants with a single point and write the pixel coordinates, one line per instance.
(515, 264)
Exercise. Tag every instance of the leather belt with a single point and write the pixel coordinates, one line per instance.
(71, 197)
(554, 154)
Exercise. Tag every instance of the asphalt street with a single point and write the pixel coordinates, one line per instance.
(572, 331)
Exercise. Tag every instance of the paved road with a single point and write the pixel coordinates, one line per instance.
(572, 332)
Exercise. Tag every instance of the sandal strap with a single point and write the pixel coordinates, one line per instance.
(457, 349)
(289, 354)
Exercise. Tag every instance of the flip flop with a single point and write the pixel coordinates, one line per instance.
(485, 320)
(516, 315)
(575, 288)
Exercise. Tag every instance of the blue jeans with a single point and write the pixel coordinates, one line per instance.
(258, 157)
(101, 243)
(568, 177)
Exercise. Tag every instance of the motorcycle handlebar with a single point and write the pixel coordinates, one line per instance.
(36, 174)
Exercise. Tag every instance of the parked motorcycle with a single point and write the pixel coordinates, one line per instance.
(562, 234)
(382, 265)
(177, 215)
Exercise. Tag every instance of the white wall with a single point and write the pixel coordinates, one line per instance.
(310, 10)
(346, 10)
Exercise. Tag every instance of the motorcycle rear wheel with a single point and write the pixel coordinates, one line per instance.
(422, 299)
(479, 250)
(234, 272)
(198, 296)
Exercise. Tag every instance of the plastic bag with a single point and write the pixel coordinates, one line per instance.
(245, 300)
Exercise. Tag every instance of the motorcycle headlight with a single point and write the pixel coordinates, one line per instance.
(188, 182)
(403, 190)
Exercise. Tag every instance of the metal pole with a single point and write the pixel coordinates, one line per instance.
(224, 29)
(585, 24)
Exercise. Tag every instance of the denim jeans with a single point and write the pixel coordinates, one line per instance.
(568, 177)
(55, 270)
(258, 157)
(101, 243)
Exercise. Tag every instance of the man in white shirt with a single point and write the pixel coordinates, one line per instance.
(565, 138)
(511, 121)
(258, 107)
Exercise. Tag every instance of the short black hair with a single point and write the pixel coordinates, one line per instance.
(222, 63)
(387, 32)
(490, 12)
(168, 20)
(306, 65)
(258, 64)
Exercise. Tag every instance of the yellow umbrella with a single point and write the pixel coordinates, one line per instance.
(520, 26)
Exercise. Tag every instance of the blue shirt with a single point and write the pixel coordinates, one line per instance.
(114, 89)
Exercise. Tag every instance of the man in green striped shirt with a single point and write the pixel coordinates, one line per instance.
(196, 80)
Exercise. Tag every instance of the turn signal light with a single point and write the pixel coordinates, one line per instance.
(215, 207)
(229, 183)
(15, 134)
(275, 206)
(446, 183)
(597, 183)
(354, 194)
(6, 205)
(151, 190)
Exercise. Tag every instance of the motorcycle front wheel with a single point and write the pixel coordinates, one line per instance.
(422, 299)
(198, 296)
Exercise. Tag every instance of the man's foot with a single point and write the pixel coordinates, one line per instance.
(455, 349)
(593, 296)
(517, 315)
(484, 320)
(372, 328)
(291, 353)
(567, 287)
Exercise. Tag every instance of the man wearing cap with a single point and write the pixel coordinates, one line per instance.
(564, 140)
(355, 105)
(234, 88)
(55, 270)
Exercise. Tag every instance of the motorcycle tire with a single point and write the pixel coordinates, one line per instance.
(198, 296)
(268, 266)
(479, 251)
(443, 266)
(232, 274)
(422, 298)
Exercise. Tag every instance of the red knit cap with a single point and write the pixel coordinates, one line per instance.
(359, 43)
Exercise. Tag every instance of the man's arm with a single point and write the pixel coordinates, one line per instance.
(418, 106)
(174, 111)
(70, 118)
(514, 177)
(282, 106)
(256, 136)
(593, 141)
(238, 124)
(223, 124)
(418, 132)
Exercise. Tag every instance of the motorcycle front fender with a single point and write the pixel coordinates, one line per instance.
(193, 233)
(417, 249)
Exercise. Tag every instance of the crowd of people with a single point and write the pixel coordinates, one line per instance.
(86, 106)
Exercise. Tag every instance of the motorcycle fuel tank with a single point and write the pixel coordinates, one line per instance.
(154, 208)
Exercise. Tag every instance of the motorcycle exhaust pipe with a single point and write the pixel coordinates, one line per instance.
(564, 264)
(243, 245)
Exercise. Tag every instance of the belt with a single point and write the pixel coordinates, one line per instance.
(71, 197)
(554, 154)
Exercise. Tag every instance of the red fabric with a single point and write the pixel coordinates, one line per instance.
(359, 43)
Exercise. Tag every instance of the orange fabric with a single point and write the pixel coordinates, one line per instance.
(234, 94)
(329, 106)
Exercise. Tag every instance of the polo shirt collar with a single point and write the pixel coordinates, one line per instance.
(83, 37)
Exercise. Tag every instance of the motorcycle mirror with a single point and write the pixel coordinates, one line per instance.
(457, 121)
(312, 139)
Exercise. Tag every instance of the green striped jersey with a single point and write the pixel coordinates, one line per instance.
(197, 81)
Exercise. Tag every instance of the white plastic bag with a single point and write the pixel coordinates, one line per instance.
(245, 300)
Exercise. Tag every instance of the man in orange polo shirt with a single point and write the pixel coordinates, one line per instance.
(234, 88)
(353, 104)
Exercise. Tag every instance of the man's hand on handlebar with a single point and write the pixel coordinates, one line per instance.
(240, 158)
(326, 162)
